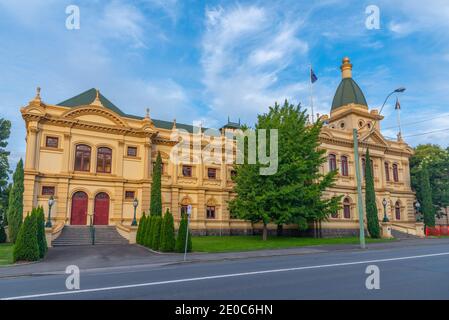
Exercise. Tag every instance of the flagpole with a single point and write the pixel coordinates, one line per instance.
(311, 94)
(398, 108)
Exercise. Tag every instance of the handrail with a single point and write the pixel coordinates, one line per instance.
(92, 231)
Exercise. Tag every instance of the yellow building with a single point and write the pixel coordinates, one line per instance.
(95, 159)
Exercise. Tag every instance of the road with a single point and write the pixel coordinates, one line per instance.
(418, 272)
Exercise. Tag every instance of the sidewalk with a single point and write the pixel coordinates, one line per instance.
(89, 258)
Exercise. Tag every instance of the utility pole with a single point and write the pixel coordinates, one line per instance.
(359, 189)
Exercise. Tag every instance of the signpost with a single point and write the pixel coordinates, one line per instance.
(189, 212)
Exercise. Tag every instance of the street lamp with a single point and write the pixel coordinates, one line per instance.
(357, 169)
(384, 202)
(418, 214)
(51, 202)
(135, 204)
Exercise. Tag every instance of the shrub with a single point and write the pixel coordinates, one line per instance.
(181, 239)
(26, 247)
(156, 233)
(146, 241)
(140, 228)
(40, 225)
(167, 233)
(15, 203)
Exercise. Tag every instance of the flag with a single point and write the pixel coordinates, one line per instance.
(313, 77)
(398, 105)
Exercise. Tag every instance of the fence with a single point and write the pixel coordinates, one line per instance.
(437, 231)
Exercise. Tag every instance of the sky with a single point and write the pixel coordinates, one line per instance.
(207, 60)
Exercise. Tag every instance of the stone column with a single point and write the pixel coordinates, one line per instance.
(147, 160)
(67, 152)
(119, 159)
(386, 230)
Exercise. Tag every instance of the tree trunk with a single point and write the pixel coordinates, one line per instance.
(265, 232)
(280, 230)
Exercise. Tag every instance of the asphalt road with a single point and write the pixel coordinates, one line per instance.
(419, 272)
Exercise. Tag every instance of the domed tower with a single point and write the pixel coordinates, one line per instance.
(349, 107)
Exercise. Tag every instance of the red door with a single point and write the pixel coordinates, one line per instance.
(101, 209)
(79, 209)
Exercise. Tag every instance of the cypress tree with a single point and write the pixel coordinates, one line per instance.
(168, 233)
(372, 219)
(156, 233)
(15, 203)
(181, 238)
(146, 240)
(26, 247)
(140, 228)
(426, 197)
(156, 197)
(42, 241)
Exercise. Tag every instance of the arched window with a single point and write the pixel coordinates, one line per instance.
(334, 214)
(387, 171)
(395, 173)
(104, 160)
(332, 162)
(347, 208)
(82, 157)
(344, 166)
(397, 210)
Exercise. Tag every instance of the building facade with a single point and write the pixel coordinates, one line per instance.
(94, 159)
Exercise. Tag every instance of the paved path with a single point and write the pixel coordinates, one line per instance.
(415, 270)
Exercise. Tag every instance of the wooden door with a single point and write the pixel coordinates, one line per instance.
(78, 214)
(101, 209)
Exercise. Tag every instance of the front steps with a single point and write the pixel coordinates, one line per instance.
(81, 236)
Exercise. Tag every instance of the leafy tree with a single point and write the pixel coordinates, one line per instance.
(15, 204)
(41, 239)
(140, 228)
(435, 159)
(167, 233)
(5, 130)
(26, 247)
(181, 238)
(156, 197)
(2, 233)
(370, 200)
(156, 233)
(427, 207)
(4, 199)
(147, 239)
(294, 194)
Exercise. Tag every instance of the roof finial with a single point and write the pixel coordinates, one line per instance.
(97, 101)
(346, 68)
(38, 93)
(147, 115)
(174, 124)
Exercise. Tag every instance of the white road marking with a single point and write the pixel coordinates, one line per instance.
(147, 284)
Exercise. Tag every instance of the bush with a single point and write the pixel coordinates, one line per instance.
(2, 233)
(40, 225)
(26, 247)
(140, 228)
(15, 203)
(181, 239)
(156, 232)
(146, 240)
(167, 233)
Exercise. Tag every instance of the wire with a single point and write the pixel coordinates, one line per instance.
(424, 133)
(415, 122)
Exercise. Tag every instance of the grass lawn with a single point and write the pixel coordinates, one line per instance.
(6, 253)
(248, 243)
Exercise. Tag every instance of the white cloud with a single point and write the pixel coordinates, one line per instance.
(244, 51)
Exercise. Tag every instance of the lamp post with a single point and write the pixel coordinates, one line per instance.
(51, 202)
(357, 170)
(135, 204)
(418, 214)
(384, 202)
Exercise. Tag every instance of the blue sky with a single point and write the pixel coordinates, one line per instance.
(205, 60)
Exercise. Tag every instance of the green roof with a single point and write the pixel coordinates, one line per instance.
(88, 97)
(348, 92)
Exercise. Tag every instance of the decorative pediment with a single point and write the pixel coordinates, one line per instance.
(374, 138)
(92, 113)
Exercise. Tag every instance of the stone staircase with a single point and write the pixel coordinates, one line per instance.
(403, 235)
(81, 236)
